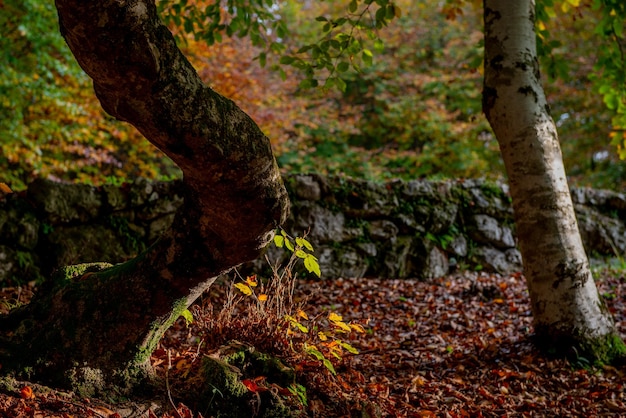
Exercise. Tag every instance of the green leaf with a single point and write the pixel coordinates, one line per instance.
(188, 316)
(287, 60)
(329, 366)
(611, 100)
(367, 57)
(315, 353)
(279, 241)
(341, 84)
(379, 45)
(302, 242)
(308, 83)
(343, 66)
(312, 266)
(348, 347)
(381, 15)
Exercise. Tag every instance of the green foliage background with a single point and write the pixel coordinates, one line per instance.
(402, 89)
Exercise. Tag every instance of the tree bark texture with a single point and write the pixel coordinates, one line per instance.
(110, 320)
(568, 312)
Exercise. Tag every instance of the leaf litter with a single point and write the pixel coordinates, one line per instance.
(458, 346)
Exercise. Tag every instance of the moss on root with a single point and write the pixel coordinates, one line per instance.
(609, 349)
(583, 351)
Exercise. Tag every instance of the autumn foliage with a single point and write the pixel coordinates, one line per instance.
(413, 111)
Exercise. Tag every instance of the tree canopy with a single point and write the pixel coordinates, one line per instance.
(410, 109)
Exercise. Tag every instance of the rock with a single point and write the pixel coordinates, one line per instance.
(158, 226)
(489, 231)
(69, 245)
(458, 246)
(367, 200)
(357, 227)
(383, 230)
(426, 261)
(61, 202)
(325, 225)
(115, 197)
(417, 189)
(601, 233)
(396, 259)
(443, 217)
(19, 225)
(436, 265)
(368, 248)
(8, 261)
(340, 262)
(494, 260)
(306, 188)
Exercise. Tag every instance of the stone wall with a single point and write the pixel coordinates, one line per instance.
(420, 229)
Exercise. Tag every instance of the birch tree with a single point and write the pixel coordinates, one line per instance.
(569, 315)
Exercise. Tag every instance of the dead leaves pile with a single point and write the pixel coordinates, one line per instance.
(459, 346)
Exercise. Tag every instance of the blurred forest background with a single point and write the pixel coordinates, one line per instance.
(413, 112)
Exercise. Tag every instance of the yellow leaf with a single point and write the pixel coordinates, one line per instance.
(334, 317)
(357, 328)
(303, 314)
(342, 325)
(244, 288)
(251, 281)
(262, 297)
(322, 336)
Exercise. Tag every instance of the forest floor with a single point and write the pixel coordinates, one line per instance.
(459, 346)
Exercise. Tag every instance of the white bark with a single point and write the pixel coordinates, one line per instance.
(564, 298)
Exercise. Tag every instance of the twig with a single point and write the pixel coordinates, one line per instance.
(167, 383)
(79, 405)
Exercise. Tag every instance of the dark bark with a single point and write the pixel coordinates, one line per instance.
(110, 320)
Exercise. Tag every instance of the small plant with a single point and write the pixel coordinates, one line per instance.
(326, 344)
(299, 250)
(261, 312)
(329, 343)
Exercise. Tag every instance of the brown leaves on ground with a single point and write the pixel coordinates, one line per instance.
(459, 346)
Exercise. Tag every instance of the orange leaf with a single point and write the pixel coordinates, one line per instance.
(262, 297)
(251, 385)
(4, 189)
(27, 392)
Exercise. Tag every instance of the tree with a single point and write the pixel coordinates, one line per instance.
(569, 315)
(234, 199)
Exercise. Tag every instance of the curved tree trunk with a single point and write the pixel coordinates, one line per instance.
(102, 326)
(569, 315)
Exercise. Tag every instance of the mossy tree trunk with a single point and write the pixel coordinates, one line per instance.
(569, 315)
(105, 323)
